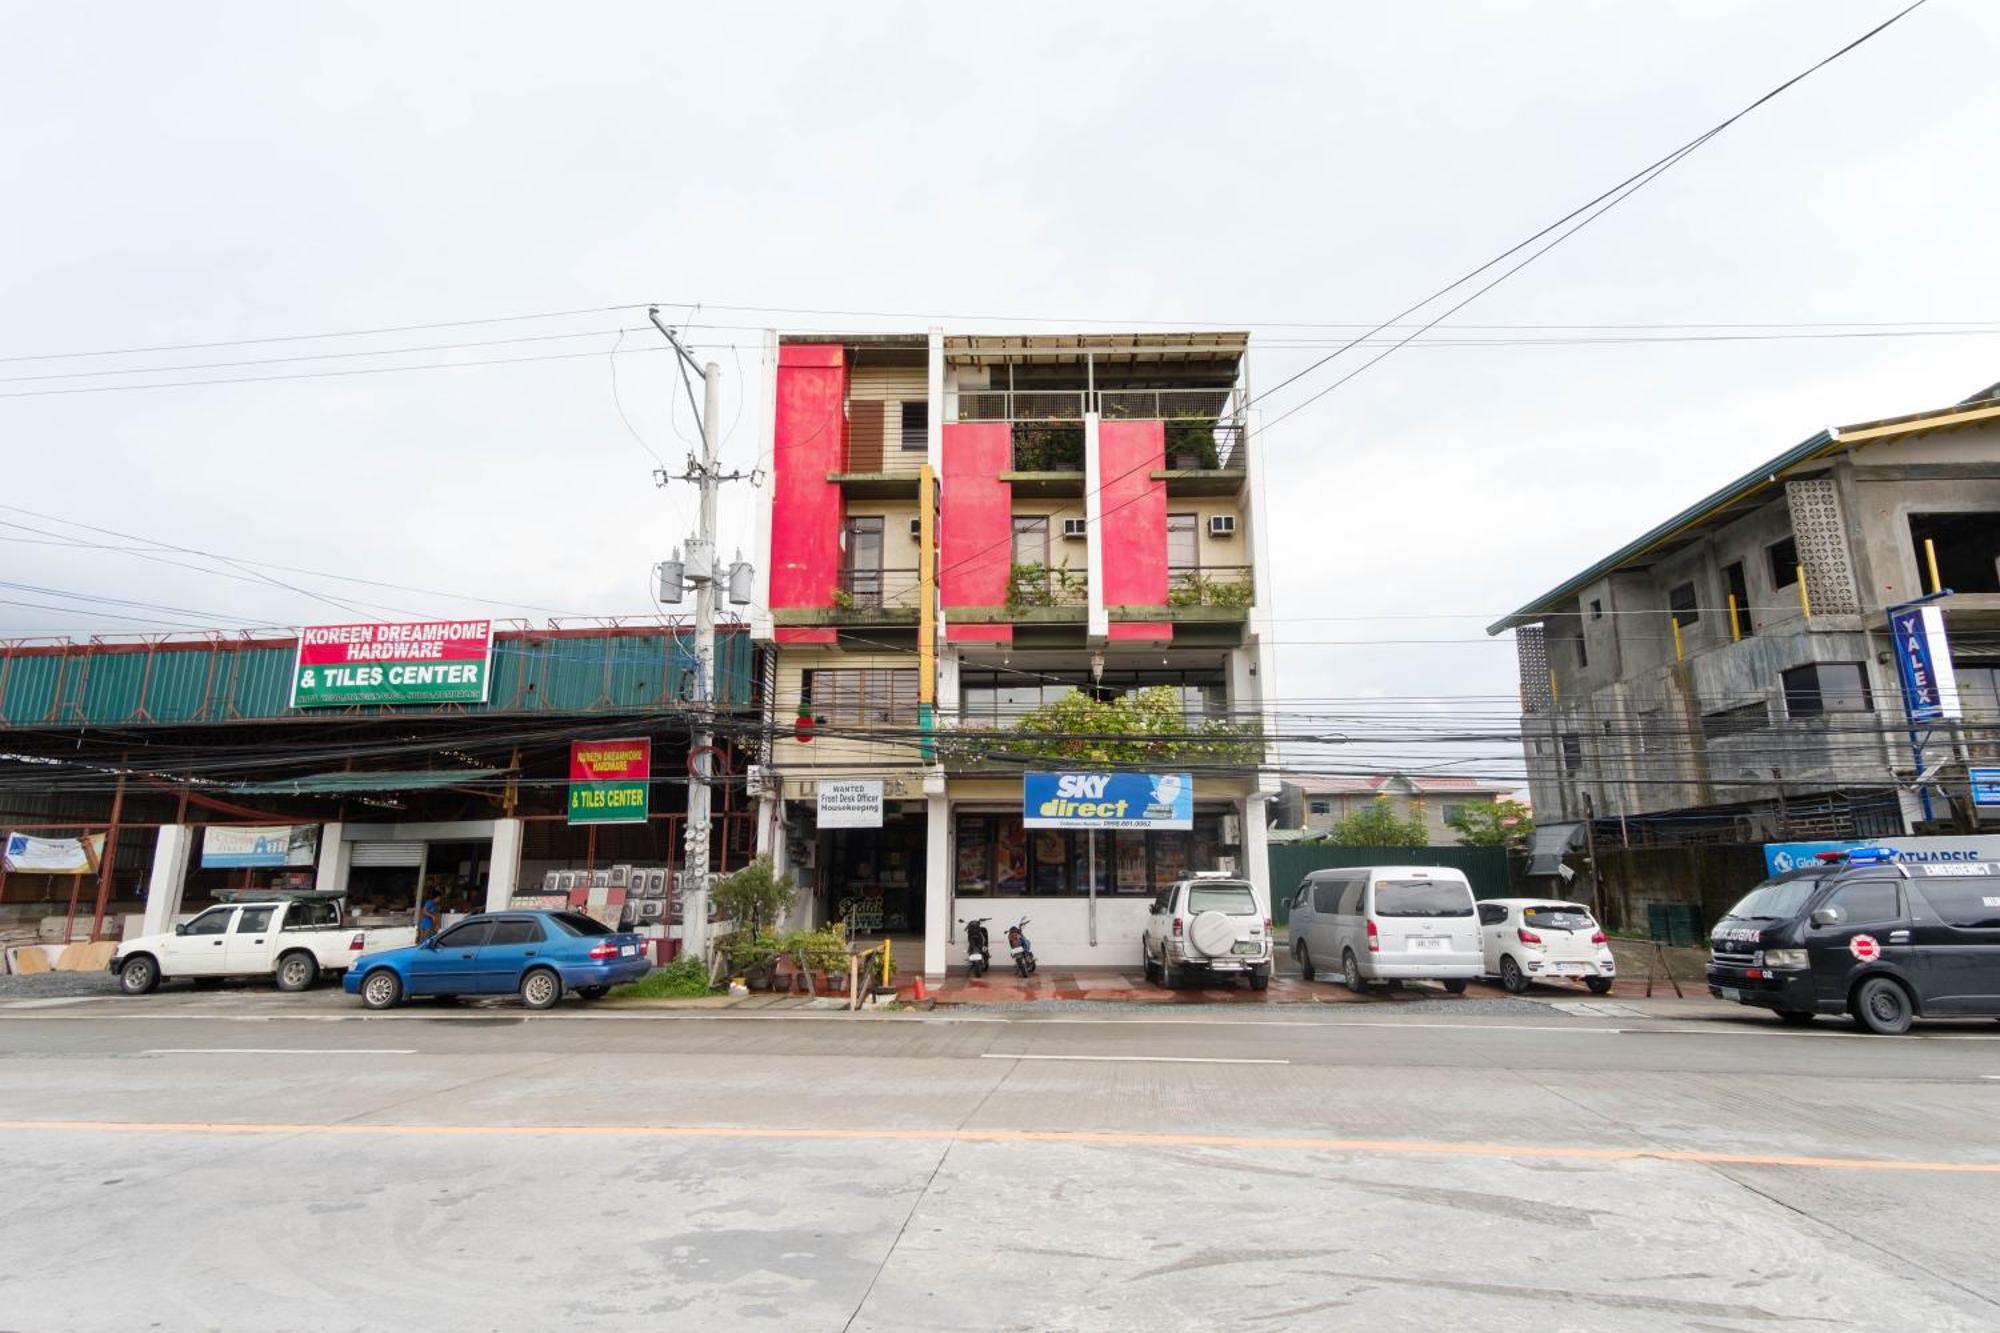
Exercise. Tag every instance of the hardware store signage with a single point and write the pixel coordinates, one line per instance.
(1107, 800)
(266, 845)
(420, 662)
(1923, 659)
(609, 781)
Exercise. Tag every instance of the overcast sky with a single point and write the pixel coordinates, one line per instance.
(214, 173)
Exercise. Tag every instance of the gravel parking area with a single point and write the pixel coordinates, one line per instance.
(57, 985)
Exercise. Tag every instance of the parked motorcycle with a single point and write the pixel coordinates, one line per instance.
(977, 953)
(1022, 951)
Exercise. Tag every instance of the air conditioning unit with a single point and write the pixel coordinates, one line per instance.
(916, 527)
(1075, 529)
(1222, 525)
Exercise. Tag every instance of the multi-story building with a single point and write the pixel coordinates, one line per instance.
(963, 529)
(1729, 676)
(1315, 804)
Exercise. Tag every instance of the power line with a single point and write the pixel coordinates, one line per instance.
(1603, 203)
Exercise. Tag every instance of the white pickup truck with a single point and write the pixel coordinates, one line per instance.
(293, 939)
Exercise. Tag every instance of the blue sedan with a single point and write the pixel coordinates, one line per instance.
(538, 955)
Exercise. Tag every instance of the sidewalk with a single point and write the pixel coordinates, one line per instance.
(1118, 986)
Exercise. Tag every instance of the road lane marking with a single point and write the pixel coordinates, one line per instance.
(1107, 1138)
(1141, 1059)
(275, 1050)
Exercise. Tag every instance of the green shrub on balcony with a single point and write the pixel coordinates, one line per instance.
(1195, 590)
(1191, 444)
(1145, 727)
(1056, 447)
(1043, 585)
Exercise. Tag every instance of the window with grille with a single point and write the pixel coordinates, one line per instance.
(863, 696)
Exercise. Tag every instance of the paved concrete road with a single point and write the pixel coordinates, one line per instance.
(481, 1169)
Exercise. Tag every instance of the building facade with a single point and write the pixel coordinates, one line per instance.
(963, 530)
(180, 759)
(1730, 675)
(1315, 805)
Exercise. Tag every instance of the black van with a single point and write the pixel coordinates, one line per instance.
(1883, 939)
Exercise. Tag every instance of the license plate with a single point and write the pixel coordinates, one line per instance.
(1427, 943)
(1014, 951)
(1570, 969)
(628, 950)
(1731, 993)
(1249, 946)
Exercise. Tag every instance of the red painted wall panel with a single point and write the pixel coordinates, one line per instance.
(808, 440)
(1133, 521)
(976, 521)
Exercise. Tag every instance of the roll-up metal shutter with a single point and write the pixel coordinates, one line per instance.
(387, 854)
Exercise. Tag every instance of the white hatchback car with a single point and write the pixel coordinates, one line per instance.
(1536, 939)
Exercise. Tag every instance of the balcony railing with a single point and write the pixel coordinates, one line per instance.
(1035, 585)
(1202, 433)
(877, 590)
(1211, 585)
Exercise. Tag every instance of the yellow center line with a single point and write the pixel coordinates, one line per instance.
(1420, 1147)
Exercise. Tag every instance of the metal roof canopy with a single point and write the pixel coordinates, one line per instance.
(1000, 348)
(1746, 492)
(348, 784)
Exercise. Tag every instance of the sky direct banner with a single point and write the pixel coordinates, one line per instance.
(421, 662)
(1107, 800)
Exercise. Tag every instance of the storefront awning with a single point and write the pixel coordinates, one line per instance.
(1551, 841)
(347, 784)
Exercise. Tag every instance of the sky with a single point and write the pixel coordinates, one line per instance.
(224, 174)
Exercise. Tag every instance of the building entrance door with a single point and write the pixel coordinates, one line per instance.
(875, 877)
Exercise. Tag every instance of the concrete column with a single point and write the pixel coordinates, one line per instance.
(503, 874)
(939, 928)
(694, 923)
(1256, 865)
(169, 878)
(1098, 620)
(334, 858)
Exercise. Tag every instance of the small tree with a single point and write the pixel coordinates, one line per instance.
(1500, 823)
(754, 898)
(1143, 727)
(1380, 826)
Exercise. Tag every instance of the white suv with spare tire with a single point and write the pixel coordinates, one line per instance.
(1213, 924)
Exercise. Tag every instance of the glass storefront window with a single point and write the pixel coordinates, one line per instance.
(996, 856)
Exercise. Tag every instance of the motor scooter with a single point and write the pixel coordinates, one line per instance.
(1022, 951)
(977, 953)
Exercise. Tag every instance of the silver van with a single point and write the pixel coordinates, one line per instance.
(1387, 923)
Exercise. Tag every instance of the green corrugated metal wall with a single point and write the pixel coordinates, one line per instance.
(1485, 867)
(93, 685)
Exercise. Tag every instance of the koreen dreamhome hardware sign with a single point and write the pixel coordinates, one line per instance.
(609, 781)
(421, 662)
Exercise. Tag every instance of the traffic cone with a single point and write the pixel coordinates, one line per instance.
(920, 994)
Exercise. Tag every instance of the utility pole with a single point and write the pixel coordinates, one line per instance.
(699, 570)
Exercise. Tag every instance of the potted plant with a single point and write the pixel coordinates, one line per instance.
(754, 898)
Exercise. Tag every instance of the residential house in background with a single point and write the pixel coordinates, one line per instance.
(1314, 805)
(1729, 675)
(962, 529)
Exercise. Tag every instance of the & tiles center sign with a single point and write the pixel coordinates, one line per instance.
(418, 662)
(609, 781)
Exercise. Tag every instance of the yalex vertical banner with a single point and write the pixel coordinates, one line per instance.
(610, 781)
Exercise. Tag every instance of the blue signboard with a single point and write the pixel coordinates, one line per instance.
(1985, 785)
(1782, 856)
(1107, 800)
(1923, 659)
